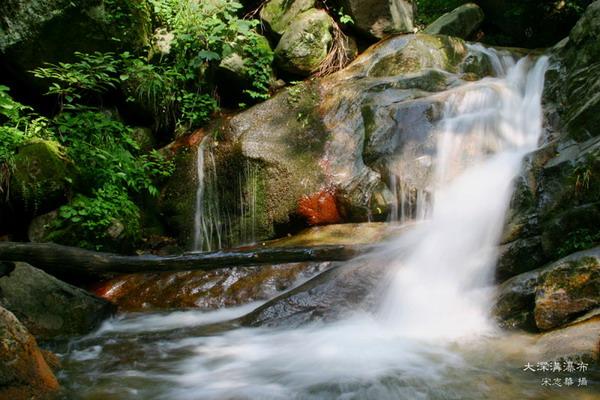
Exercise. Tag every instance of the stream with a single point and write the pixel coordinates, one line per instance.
(426, 333)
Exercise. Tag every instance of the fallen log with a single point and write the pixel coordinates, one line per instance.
(58, 259)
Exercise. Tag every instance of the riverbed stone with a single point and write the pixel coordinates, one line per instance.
(48, 307)
(24, 374)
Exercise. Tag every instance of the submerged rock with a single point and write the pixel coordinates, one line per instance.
(50, 308)
(461, 22)
(208, 290)
(305, 43)
(379, 18)
(24, 374)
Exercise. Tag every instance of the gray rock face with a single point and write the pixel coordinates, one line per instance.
(553, 295)
(48, 307)
(379, 18)
(462, 22)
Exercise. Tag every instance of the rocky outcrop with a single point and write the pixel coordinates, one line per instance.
(462, 22)
(555, 209)
(50, 308)
(42, 177)
(551, 296)
(379, 18)
(36, 31)
(305, 43)
(24, 374)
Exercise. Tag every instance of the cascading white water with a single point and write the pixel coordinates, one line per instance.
(486, 130)
(199, 215)
(437, 293)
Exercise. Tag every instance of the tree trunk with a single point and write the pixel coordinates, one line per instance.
(57, 259)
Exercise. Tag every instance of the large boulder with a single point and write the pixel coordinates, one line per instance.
(323, 151)
(305, 43)
(24, 374)
(379, 18)
(278, 14)
(551, 296)
(41, 178)
(50, 308)
(462, 22)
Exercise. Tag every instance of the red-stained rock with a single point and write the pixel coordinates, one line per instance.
(320, 208)
(24, 374)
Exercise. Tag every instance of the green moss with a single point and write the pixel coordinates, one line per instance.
(42, 176)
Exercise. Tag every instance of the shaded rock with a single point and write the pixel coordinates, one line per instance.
(40, 226)
(41, 178)
(36, 31)
(519, 256)
(23, 372)
(305, 43)
(144, 137)
(551, 296)
(462, 22)
(48, 307)
(204, 290)
(279, 14)
(379, 18)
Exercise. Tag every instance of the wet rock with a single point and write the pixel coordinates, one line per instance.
(305, 43)
(42, 177)
(379, 18)
(329, 296)
(568, 289)
(24, 373)
(579, 340)
(204, 290)
(320, 208)
(48, 307)
(551, 296)
(279, 14)
(462, 22)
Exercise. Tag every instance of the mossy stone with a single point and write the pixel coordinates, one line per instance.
(278, 14)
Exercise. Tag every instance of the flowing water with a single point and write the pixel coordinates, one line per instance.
(429, 338)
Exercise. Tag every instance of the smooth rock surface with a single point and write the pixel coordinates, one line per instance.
(461, 22)
(379, 18)
(48, 307)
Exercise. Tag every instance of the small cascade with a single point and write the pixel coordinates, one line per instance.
(409, 203)
(218, 225)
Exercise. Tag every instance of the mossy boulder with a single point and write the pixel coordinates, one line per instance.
(42, 177)
(551, 296)
(379, 18)
(305, 43)
(24, 374)
(461, 22)
(48, 307)
(279, 14)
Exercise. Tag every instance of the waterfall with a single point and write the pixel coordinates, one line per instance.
(411, 345)
(487, 128)
(217, 225)
(199, 217)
